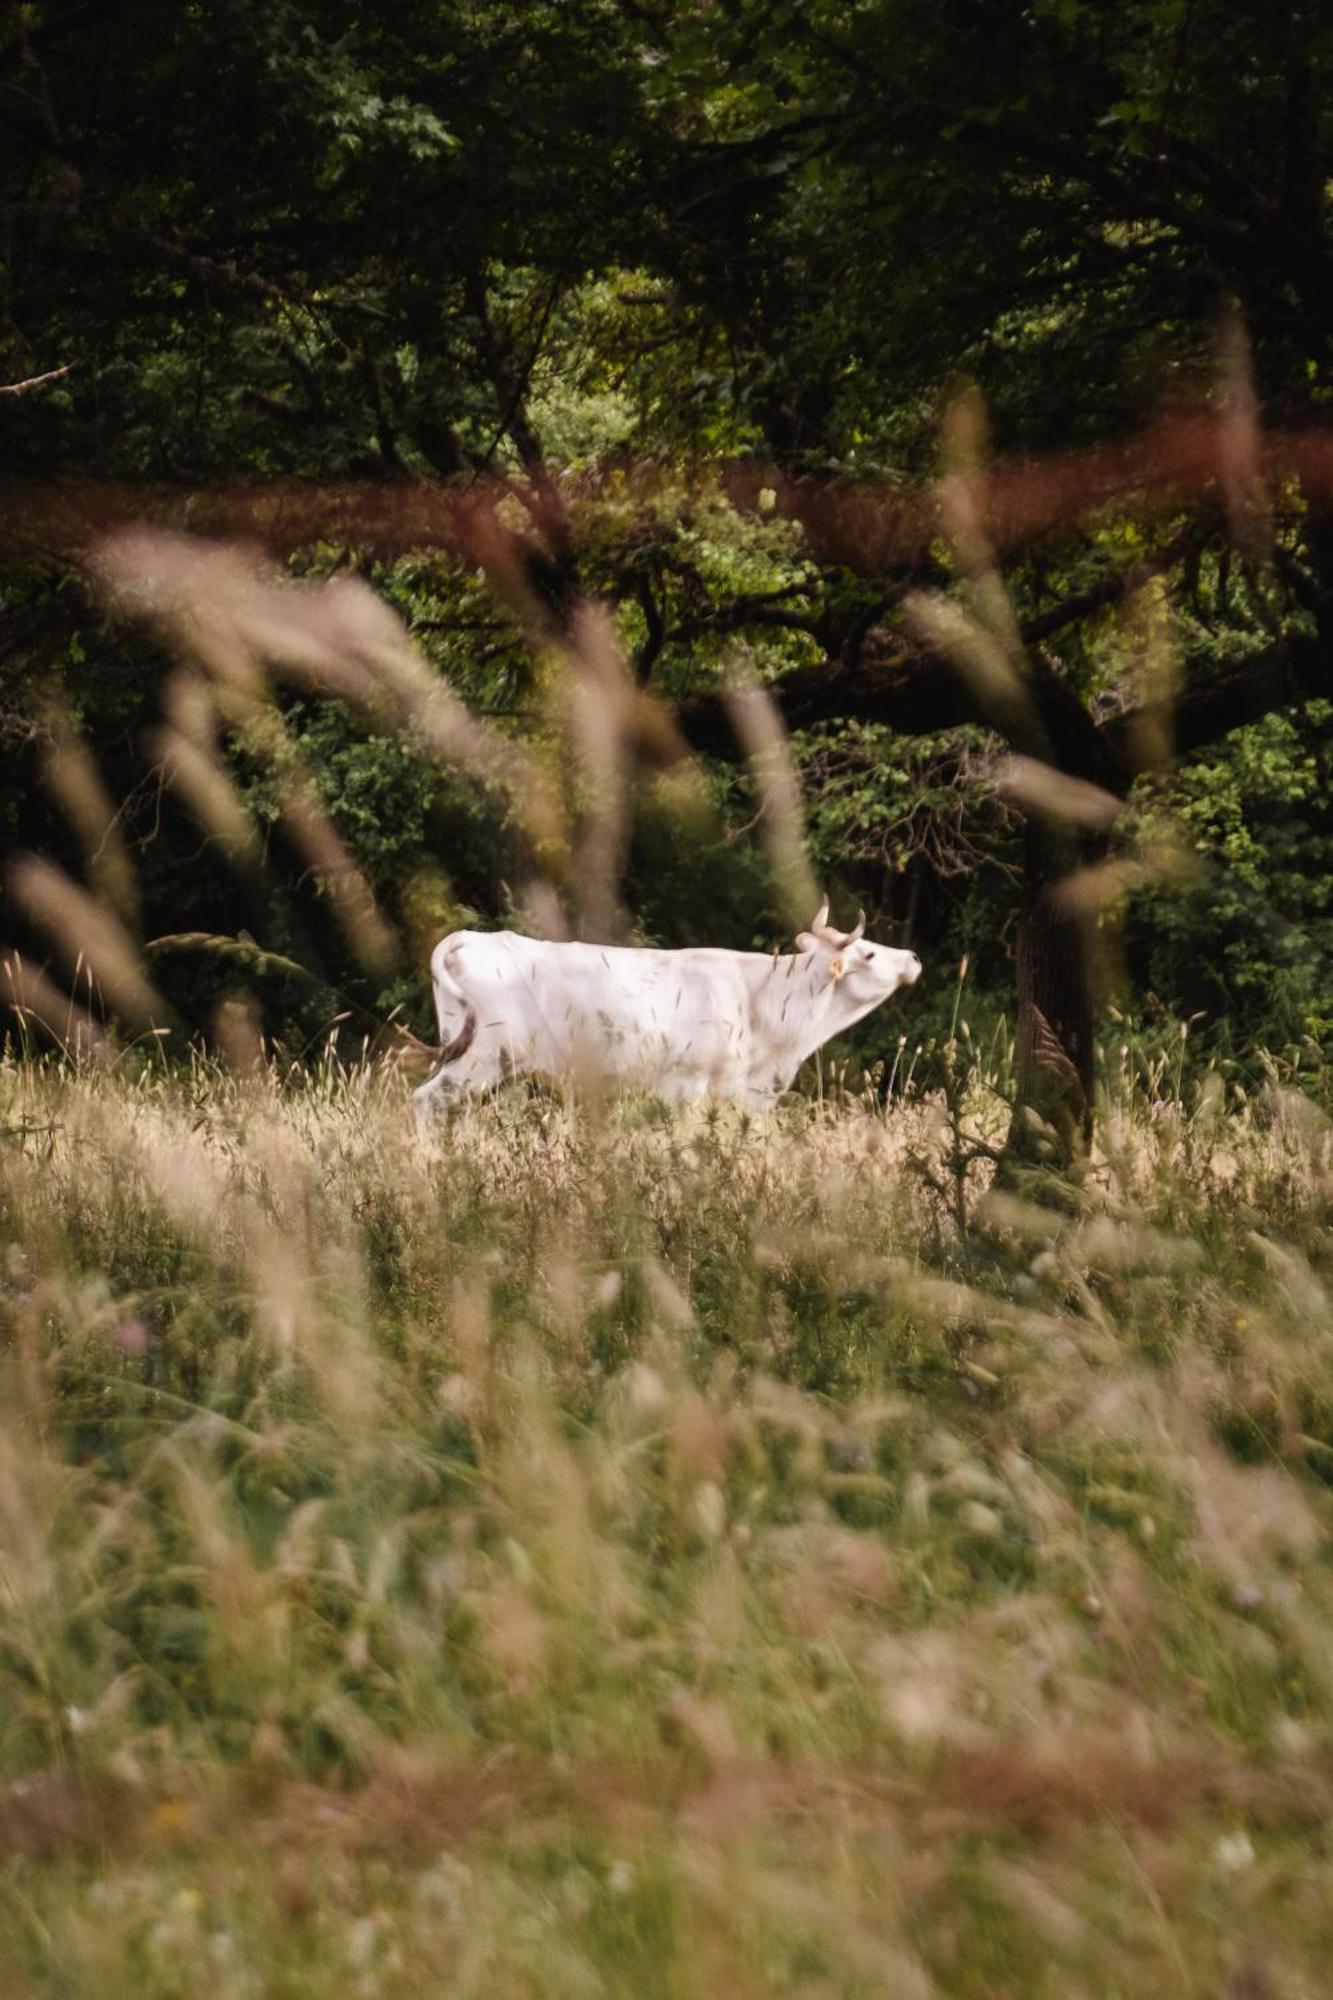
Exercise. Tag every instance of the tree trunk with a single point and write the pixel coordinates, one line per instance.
(1052, 1122)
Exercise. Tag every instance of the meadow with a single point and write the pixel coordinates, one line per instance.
(622, 472)
(587, 1550)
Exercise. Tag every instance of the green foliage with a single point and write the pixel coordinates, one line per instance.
(1248, 940)
(612, 247)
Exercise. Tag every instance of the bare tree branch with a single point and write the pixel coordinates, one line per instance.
(34, 381)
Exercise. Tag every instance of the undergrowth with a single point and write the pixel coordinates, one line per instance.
(592, 1550)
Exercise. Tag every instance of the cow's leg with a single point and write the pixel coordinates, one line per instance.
(682, 1087)
(457, 1018)
(432, 1097)
(690, 1086)
(479, 1068)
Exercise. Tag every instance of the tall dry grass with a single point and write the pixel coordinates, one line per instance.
(593, 1551)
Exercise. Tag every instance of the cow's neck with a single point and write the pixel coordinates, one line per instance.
(801, 1006)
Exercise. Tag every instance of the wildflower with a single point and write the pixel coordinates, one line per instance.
(1233, 1852)
(131, 1336)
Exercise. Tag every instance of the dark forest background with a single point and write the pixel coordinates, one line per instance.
(665, 272)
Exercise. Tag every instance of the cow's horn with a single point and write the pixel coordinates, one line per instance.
(821, 919)
(855, 935)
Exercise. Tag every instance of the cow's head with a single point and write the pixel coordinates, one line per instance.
(864, 974)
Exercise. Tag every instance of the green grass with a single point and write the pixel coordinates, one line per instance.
(595, 1552)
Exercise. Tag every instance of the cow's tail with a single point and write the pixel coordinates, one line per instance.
(454, 1011)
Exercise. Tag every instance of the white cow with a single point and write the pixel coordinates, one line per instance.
(682, 1023)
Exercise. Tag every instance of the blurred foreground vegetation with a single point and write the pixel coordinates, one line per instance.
(592, 1551)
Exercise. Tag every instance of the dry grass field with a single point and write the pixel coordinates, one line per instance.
(589, 1551)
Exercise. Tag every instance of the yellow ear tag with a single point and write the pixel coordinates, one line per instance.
(837, 967)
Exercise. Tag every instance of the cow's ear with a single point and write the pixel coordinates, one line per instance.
(806, 941)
